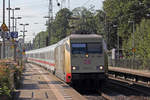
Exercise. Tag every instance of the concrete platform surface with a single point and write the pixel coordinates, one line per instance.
(131, 71)
(39, 84)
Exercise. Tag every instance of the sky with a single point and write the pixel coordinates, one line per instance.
(33, 12)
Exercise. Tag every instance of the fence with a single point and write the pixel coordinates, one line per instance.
(130, 63)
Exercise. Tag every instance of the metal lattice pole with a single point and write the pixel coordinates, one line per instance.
(9, 15)
(68, 4)
(50, 20)
(39, 41)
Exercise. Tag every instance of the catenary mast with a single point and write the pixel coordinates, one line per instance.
(50, 13)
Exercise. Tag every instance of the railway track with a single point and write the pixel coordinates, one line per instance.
(119, 90)
(92, 95)
(143, 89)
(106, 94)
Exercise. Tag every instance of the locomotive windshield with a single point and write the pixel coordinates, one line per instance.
(82, 48)
(78, 48)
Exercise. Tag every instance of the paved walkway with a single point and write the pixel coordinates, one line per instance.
(38, 84)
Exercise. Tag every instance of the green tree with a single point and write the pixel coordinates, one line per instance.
(60, 26)
(120, 12)
(86, 20)
(142, 40)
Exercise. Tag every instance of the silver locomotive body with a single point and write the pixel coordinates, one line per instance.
(88, 57)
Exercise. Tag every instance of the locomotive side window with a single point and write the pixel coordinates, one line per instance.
(94, 47)
(67, 47)
(78, 48)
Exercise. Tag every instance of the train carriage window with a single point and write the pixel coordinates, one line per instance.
(48, 54)
(34, 56)
(31, 55)
(40, 55)
(43, 55)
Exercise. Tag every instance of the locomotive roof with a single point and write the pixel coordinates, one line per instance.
(74, 36)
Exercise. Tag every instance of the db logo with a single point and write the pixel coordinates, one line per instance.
(87, 61)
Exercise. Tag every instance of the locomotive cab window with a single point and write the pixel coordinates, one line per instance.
(94, 48)
(82, 48)
(78, 48)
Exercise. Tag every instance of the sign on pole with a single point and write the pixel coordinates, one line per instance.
(4, 27)
(133, 50)
(20, 41)
(14, 34)
(6, 35)
(0, 31)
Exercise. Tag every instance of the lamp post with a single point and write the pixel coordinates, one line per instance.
(9, 15)
(24, 30)
(3, 45)
(49, 29)
(118, 43)
(148, 15)
(39, 40)
(15, 26)
(3, 11)
(13, 16)
(15, 29)
(133, 42)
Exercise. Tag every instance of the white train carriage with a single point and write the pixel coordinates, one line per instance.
(43, 57)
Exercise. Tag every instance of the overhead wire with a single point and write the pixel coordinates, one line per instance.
(86, 2)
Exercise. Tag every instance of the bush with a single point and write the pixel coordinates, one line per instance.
(5, 84)
(10, 75)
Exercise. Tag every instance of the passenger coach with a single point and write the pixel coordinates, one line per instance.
(77, 57)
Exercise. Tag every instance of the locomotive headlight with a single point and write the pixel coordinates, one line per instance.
(100, 67)
(74, 68)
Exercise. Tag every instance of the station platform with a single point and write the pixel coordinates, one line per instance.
(142, 73)
(39, 84)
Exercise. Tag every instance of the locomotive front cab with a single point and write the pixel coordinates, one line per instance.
(87, 58)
